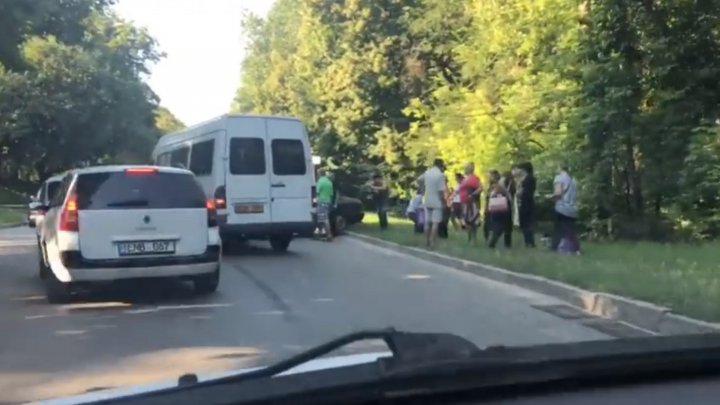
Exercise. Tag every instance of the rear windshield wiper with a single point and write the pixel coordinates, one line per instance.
(130, 203)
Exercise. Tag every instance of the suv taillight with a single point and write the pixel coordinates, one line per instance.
(219, 198)
(69, 215)
(211, 213)
(313, 194)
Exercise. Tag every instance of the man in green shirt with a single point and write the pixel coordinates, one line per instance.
(325, 193)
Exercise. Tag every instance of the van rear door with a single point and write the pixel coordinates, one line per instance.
(247, 177)
(291, 171)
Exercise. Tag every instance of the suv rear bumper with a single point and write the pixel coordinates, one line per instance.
(265, 230)
(73, 260)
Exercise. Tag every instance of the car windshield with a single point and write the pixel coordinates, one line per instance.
(231, 183)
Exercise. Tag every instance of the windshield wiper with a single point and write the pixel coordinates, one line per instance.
(129, 203)
(407, 348)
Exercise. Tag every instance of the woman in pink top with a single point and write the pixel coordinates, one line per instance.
(470, 190)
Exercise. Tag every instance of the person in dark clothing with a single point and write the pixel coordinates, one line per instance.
(526, 203)
(508, 182)
(447, 213)
(381, 195)
(493, 178)
(499, 213)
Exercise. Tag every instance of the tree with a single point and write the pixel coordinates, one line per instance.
(166, 122)
(74, 94)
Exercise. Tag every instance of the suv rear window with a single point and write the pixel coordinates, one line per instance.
(121, 190)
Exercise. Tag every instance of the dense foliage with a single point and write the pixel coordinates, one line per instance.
(71, 88)
(625, 92)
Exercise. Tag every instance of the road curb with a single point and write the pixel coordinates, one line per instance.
(654, 318)
(12, 225)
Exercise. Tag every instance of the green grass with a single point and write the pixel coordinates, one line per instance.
(9, 197)
(11, 216)
(684, 277)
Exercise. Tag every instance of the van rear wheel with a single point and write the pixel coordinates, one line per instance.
(280, 243)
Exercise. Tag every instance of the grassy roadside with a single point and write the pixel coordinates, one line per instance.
(11, 216)
(684, 277)
(8, 196)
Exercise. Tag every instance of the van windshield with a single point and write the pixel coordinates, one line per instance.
(120, 190)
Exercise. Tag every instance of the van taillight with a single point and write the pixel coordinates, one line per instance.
(69, 215)
(211, 213)
(313, 194)
(220, 198)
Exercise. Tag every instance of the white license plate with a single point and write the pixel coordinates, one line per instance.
(146, 247)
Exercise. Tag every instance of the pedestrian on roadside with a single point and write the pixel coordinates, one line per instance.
(413, 211)
(508, 182)
(446, 212)
(325, 193)
(566, 213)
(493, 179)
(526, 203)
(499, 213)
(456, 210)
(433, 182)
(381, 196)
(470, 190)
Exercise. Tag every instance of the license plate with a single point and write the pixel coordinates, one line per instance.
(146, 247)
(249, 208)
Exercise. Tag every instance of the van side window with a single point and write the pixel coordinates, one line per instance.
(162, 159)
(179, 157)
(201, 158)
(247, 156)
(288, 156)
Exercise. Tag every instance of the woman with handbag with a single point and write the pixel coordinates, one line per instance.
(499, 212)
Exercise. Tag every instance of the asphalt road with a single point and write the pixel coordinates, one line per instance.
(268, 307)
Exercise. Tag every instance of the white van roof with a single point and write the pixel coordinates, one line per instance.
(186, 133)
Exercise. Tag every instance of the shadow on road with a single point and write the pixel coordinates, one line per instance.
(140, 292)
(254, 249)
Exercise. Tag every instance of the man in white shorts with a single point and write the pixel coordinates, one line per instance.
(433, 182)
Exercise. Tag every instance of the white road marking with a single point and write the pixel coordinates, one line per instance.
(69, 332)
(176, 307)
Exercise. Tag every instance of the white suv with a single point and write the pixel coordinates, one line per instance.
(109, 223)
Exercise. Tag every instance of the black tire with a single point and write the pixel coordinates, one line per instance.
(43, 268)
(280, 243)
(56, 291)
(207, 283)
(340, 225)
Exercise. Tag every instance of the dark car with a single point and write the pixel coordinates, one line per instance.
(346, 211)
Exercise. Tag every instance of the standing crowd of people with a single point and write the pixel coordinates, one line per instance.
(509, 201)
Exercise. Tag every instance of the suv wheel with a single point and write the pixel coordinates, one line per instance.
(340, 225)
(42, 264)
(280, 243)
(207, 283)
(57, 292)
